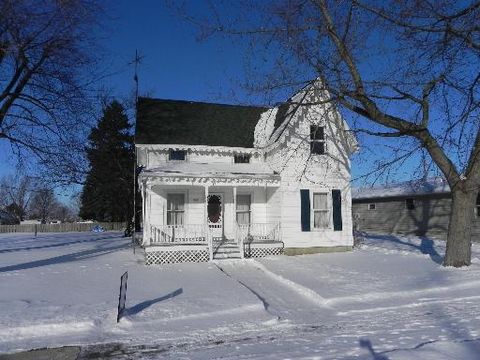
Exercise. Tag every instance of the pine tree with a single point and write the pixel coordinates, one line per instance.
(108, 190)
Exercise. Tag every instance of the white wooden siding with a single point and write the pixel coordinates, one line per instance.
(195, 208)
(151, 158)
(290, 157)
(318, 173)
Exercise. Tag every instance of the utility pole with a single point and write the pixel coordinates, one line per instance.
(136, 62)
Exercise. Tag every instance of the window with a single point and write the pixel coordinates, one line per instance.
(241, 159)
(177, 154)
(409, 204)
(321, 214)
(317, 140)
(175, 209)
(243, 209)
(372, 206)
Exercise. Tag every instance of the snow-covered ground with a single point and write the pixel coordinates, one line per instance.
(390, 299)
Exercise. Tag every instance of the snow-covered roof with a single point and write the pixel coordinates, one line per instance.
(407, 188)
(212, 170)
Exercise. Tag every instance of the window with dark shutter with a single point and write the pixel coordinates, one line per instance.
(305, 209)
(317, 140)
(337, 210)
(321, 214)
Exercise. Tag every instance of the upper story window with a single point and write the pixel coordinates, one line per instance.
(180, 155)
(372, 206)
(241, 159)
(317, 140)
(409, 204)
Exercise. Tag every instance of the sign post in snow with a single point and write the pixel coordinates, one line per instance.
(122, 297)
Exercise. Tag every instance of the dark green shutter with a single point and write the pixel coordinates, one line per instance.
(305, 209)
(337, 210)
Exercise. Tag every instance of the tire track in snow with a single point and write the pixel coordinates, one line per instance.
(264, 302)
(286, 301)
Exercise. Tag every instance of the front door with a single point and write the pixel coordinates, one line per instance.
(215, 214)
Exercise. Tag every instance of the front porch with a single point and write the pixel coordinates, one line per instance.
(195, 218)
(195, 243)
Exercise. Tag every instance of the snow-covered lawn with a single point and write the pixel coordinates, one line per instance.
(390, 299)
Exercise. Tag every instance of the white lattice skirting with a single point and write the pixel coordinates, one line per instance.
(163, 255)
(262, 250)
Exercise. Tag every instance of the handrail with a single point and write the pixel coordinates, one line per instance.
(190, 233)
(239, 239)
(256, 232)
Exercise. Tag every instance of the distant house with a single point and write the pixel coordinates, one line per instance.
(229, 181)
(414, 207)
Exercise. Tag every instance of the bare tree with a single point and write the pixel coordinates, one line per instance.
(63, 213)
(15, 195)
(44, 204)
(46, 71)
(408, 71)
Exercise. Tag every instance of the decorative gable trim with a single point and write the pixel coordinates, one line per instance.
(200, 149)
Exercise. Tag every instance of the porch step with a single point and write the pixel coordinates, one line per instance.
(225, 256)
(226, 250)
(223, 250)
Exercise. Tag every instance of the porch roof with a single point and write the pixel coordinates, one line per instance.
(249, 174)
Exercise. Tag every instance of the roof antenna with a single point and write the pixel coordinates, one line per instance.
(136, 61)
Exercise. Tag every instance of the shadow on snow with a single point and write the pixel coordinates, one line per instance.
(39, 238)
(427, 246)
(101, 249)
(145, 304)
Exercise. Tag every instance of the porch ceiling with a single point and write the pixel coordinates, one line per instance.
(202, 173)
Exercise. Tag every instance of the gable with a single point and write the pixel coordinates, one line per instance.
(195, 123)
(309, 105)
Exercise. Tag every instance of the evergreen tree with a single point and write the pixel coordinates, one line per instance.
(108, 191)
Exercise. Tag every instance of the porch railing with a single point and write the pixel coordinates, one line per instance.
(191, 233)
(258, 232)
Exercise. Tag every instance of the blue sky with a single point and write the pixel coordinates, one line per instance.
(175, 65)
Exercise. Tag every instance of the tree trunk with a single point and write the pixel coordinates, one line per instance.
(459, 238)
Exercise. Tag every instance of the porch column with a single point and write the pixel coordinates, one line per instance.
(146, 222)
(205, 209)
(143, 185)
(235, 209)
(266, 203)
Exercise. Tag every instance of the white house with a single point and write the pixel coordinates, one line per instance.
(229, 181)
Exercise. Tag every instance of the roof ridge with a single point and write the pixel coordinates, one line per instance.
(203, 102)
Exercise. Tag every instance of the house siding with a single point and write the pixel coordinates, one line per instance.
(430, 216)
(195, 211)
(290, 157)
(284, 150)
